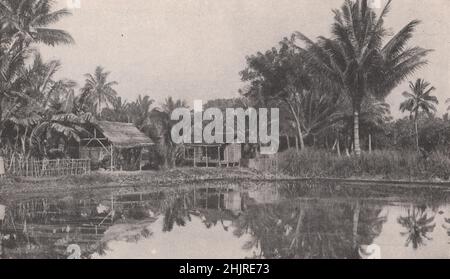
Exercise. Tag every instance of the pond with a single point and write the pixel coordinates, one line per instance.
(313, 219)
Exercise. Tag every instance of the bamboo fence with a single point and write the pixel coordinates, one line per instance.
(48, 168)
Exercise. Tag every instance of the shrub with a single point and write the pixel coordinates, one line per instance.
(385, 164)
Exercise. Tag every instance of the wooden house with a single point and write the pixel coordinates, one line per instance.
(114, 145)
(218, 155)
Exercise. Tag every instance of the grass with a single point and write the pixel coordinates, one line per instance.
(377, 165)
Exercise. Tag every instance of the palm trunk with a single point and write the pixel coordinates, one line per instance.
(299, 128)
(357, 146)
(416, 127)
(338, 145)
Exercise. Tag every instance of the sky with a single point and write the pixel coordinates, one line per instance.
(195, 49)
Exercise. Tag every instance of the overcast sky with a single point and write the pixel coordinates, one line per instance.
(195, 49)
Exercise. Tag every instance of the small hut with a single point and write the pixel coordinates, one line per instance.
(114, 145)
(213, 154)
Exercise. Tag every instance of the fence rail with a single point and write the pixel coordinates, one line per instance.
(48, 168)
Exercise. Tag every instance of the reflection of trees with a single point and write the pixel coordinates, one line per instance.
(309, 229)
(176, 212)
(418, 225)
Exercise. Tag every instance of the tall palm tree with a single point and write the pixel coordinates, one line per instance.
(419, 99)
(27, 22)
(354, 60)
(23, 23)
(98, 90)
(448, 102)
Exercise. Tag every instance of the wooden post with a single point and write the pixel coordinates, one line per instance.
(195, 160)
(112, 158)
(218, 156)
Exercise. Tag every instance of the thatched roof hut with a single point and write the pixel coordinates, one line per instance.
(121, 144)
(123, 135)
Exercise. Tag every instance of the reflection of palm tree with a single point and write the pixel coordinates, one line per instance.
(176, 213)
(419, 225)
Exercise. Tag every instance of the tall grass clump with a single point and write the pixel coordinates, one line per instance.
(386, 164)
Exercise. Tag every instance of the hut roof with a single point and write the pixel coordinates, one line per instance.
(124, 135)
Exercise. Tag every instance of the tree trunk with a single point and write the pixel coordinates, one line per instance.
(370, 143)
(288, 142)
(338, 145)
(416, 127)
(300, 134)
(299, 128)
(357, 146)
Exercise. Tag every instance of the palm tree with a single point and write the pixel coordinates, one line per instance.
(170, 105)
(419, 225)
(356, 63)
(98, 90)
(27, 22)
(159, 125)
(448, 102)
(420, 99)
(118, 112)
(140, 110)
(23, 23)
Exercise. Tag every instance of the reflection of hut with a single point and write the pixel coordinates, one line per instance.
(116, 145)
(213, 154)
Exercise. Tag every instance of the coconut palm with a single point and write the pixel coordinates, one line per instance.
(419, 99)
(23, 23)
(27, 21)
(354, 60)
(118, 112)
(98, 90)
(140, 110)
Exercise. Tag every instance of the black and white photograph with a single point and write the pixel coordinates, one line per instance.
(224, 129)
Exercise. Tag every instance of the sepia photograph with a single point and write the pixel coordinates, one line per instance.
(224, 129)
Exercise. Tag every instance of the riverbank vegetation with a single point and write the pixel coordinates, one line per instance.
(382, 165)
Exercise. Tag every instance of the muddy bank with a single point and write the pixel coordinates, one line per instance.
(106, 180)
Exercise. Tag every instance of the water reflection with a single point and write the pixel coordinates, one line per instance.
(419, 225)
(227, 221)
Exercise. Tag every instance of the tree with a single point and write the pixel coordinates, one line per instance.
(280, 78)
(354, 60)
(23, 23)
(419, 99)
(140, 110)
(118, 112)
(98, 90)
(159, 125)
(448, 102)
(27, 21)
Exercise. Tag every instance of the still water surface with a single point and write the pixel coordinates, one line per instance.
(243, 220)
